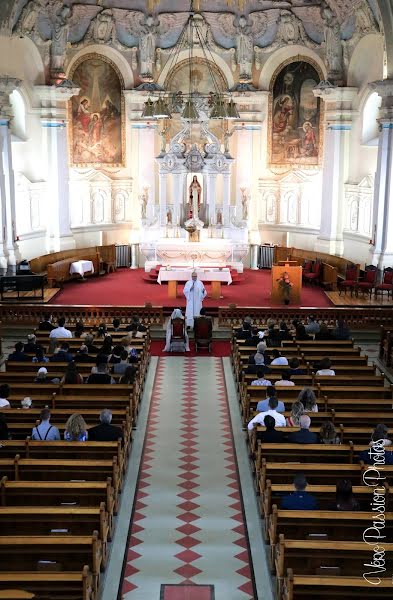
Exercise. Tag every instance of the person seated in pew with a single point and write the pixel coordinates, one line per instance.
(45, 431)
(107, 346)
(371, 455)
(75, 429)
(31, 346)
(41, 376)
(4, 433)
(60, 331)
(312, 326)
(101, 375)
(283, 332)
(297, 411)
(136, 326)
(341, 331)
(294, 367)
(328, 434)
(299, 499)
(273, 338)
(105, 432)
(46, 323)
(79, 331)
(62, 354)
(277, 359)
(253, 369)
(101, 359)
(381, 435)
(263, 405)
(26, 403)
(244, 333)
(102, 330)
(285, 379)
(259, 356)
(304, 435)
(301, 333)
(261, 378)
(129, 375)
(18, 354)
(324, 333)
(120, 367)
(40, 356)
(71, 374)
(308, 399)
(271, 436)
(255, 338)
(4, 394)
(82, 356)
(90, 346)
(127, 341)
(324, 368)
(115, 357)
(116, 324)
(272, 411)
(345, 500)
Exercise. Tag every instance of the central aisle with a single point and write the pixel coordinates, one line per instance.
(188, 526)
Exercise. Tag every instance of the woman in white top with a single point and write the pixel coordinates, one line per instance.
(176, 314)
(380, 434)
(278, 359)
(325, 369)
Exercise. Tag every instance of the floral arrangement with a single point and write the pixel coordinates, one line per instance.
(286, 286)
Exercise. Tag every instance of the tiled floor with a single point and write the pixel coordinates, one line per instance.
(188, 525)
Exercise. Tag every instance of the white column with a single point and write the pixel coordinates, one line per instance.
(338, 125)
(243, 167)
(177, 197)
(54, 132)
(211, 198)
(8, 246)
(381, 252)
(226, 201)
(163, 198)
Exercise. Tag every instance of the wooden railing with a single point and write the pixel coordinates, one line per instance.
(356, 318)
(31, 314)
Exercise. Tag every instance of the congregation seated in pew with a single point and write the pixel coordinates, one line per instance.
(45, 430)
(278, 359)
(4, 395)
(271, 435)
(19, 353)
(105, 431)
(76, 429)
(299, 499)
(60, 331)
(328, 434)
(263, 405)
(101, 375)
(303, 435)
(324, 368)
(272, 411)
(285, 379)
(62, 353)
(261, 379)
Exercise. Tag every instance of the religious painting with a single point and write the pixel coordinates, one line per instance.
(295, 119)
(96, 119)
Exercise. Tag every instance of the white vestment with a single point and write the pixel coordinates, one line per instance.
(194, 292)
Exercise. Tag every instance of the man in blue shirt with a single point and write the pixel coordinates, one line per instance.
(299, 499)
(264, 405)
(45, 431)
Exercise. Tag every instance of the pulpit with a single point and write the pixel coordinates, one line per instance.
(280, 291)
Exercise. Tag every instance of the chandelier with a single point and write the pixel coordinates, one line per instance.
(190, 102)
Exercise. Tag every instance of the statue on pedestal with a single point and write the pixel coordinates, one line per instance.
(195, 191)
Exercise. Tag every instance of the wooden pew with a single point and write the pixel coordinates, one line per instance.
(57, 493)
(64, 585)
(334, 525)
(68, 553)
(325, 495)
(304, 587)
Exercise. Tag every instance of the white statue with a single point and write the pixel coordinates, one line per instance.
(244, 50)
(147, 49)
(333, 45)
(245, 197)
(144, 198)
(28, 18)
(60, 37)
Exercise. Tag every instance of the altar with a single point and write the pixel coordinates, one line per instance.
(181, 253)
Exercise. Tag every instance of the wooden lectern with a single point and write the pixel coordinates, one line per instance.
(295, 277)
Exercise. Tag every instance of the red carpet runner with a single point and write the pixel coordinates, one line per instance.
(188, 537)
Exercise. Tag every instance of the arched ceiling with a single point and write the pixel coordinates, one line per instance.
(306, 10)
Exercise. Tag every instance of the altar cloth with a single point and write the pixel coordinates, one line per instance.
(81, 267)
(212, 274)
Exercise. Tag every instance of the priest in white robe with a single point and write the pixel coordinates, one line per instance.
(195, 292)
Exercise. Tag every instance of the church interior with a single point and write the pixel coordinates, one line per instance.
(196, 294)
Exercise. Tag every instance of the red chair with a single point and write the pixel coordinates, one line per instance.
(387, 282)
(314, 274)
(367, 284)
(307, 267)
(203, 332)
(351, 280)
(178, 336)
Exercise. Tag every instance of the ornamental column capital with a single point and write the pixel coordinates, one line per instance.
(384, 89)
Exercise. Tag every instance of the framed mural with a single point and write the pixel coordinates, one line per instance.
(96, 131)
(295, 116)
